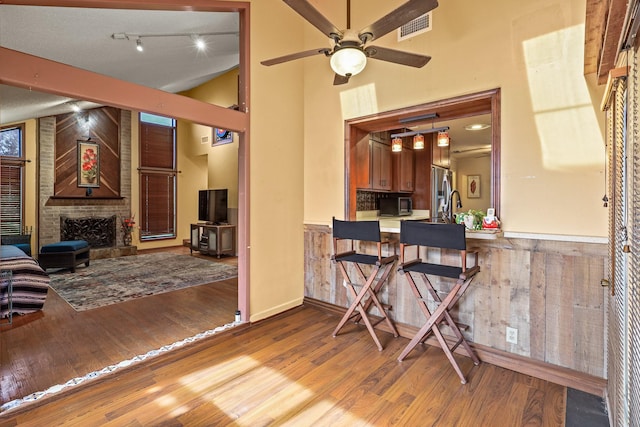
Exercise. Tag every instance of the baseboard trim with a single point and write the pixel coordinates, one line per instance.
(514, 362)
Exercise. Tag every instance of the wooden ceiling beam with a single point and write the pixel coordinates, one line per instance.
(604, 22)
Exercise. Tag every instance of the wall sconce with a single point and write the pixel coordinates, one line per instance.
(443, 139)
(396, 145)
(418, 142)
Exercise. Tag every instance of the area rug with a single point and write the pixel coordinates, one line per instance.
(113, 280)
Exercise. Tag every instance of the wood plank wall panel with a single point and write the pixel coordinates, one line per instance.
(549, 290)
(102, 125)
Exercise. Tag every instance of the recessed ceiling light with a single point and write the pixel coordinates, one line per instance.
(477, 126)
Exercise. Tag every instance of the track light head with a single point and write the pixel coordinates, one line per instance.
(139, 46)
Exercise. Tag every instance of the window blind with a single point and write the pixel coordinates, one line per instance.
(157, 181)
(11, 196)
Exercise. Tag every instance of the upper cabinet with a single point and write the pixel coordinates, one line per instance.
(405, 171)
(374, 166)
(381, 177)
(440, 155)
(379, 169)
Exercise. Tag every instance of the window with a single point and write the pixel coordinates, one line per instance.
(157, 177)
(11, 179)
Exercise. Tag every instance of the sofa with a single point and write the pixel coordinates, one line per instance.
(29, 281)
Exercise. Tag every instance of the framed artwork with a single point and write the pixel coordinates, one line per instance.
(473, 186)
(221, 136)
(88, 164)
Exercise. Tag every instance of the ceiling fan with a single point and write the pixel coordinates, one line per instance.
(350, 50)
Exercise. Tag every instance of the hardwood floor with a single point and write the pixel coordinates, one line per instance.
(57, 344)
(288, 370)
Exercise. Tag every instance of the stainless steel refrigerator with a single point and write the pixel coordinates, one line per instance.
(441, 187)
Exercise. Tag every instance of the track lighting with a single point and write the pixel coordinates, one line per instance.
(199, 42)
(418, 142)
(198, 39)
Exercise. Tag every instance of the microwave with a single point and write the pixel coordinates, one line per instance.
(396, 206)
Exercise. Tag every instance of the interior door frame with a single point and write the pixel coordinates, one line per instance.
(485, 102)
(40, 74)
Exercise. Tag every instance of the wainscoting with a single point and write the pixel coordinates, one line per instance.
(548, 290)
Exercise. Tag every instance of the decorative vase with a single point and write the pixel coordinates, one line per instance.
(126, 238)
(470, 222)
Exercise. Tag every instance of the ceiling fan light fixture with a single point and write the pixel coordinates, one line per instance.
(396, 145)
(348, 61)
(418, 142)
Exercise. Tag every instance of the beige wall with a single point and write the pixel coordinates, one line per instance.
(552, 143)
(277, 163)
(222, 160)
(474, 166)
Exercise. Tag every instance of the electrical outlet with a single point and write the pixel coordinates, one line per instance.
(512, 335)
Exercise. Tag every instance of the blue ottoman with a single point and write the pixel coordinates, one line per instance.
(65, 254)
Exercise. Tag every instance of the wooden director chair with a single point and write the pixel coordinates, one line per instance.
(443, 236)
(364, 231)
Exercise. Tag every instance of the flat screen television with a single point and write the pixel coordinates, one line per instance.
(212, 206)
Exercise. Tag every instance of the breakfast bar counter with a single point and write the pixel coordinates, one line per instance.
(526, 283)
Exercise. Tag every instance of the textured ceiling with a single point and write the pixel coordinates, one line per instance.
(82, 37)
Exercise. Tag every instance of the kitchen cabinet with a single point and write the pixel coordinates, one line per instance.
(374, 166)
(439, 155)
(404, 181)
(381, 167)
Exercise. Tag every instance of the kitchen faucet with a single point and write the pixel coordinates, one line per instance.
(448, 216)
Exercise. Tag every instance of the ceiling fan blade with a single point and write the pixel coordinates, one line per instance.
(340, 80)
(398, 17)
(397, 56)
(315, 18)
(298, 55)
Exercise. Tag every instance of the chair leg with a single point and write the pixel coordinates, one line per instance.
(356, 305)
(435, 317)
(374, 299)
(361, 304)
(452, 325)
(440, 314)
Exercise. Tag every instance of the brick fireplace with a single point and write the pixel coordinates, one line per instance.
(52, 208)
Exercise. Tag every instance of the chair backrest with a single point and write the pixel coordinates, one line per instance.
(450, 236)
(357, 230)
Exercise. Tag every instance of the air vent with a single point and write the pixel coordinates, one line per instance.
(420, 25)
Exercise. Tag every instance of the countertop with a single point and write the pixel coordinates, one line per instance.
(391, 224)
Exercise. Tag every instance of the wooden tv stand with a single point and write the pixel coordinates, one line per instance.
(212, 239)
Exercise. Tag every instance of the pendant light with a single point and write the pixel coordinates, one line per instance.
(443, 139)
(418, 142)
(396, 144)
